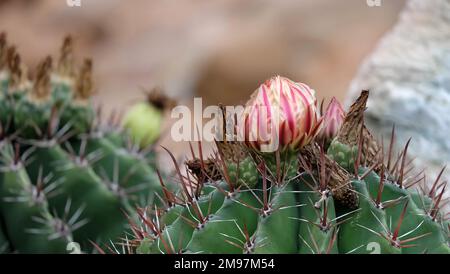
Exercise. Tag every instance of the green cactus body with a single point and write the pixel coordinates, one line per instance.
(28, 223)
(304, 220)
(4, 82)
(101, 208)
(228, 223)
(5, 111)
(360, 232)
(31, 118)
(84, 189)
(370, 229)
(4, 243)
(114, 136)
(245, 173)
(343, 154)
(176, 235)
(61, 90)
(132, 175)
(417, 223)
(316, 236)
(286, 169)
(79, 116)
(46, 156)
(447, 226)
(272, 238)
(8, 105)
(422, 201)
(171, 215)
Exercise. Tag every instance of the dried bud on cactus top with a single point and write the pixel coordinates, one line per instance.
(84, 86)
(66, 63)
(42, 87)
(18, 71)
(3, 50)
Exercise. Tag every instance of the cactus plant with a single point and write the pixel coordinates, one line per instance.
(327, 186)
(66, 174)
(346, 195)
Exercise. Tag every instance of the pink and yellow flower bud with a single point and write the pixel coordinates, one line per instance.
(281, 114)
(332, 121)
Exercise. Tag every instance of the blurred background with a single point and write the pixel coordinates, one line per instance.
(220, 50)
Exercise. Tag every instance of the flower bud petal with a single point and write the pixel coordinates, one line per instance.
(281, 114)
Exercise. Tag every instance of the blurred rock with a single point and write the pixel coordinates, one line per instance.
(409, 78)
